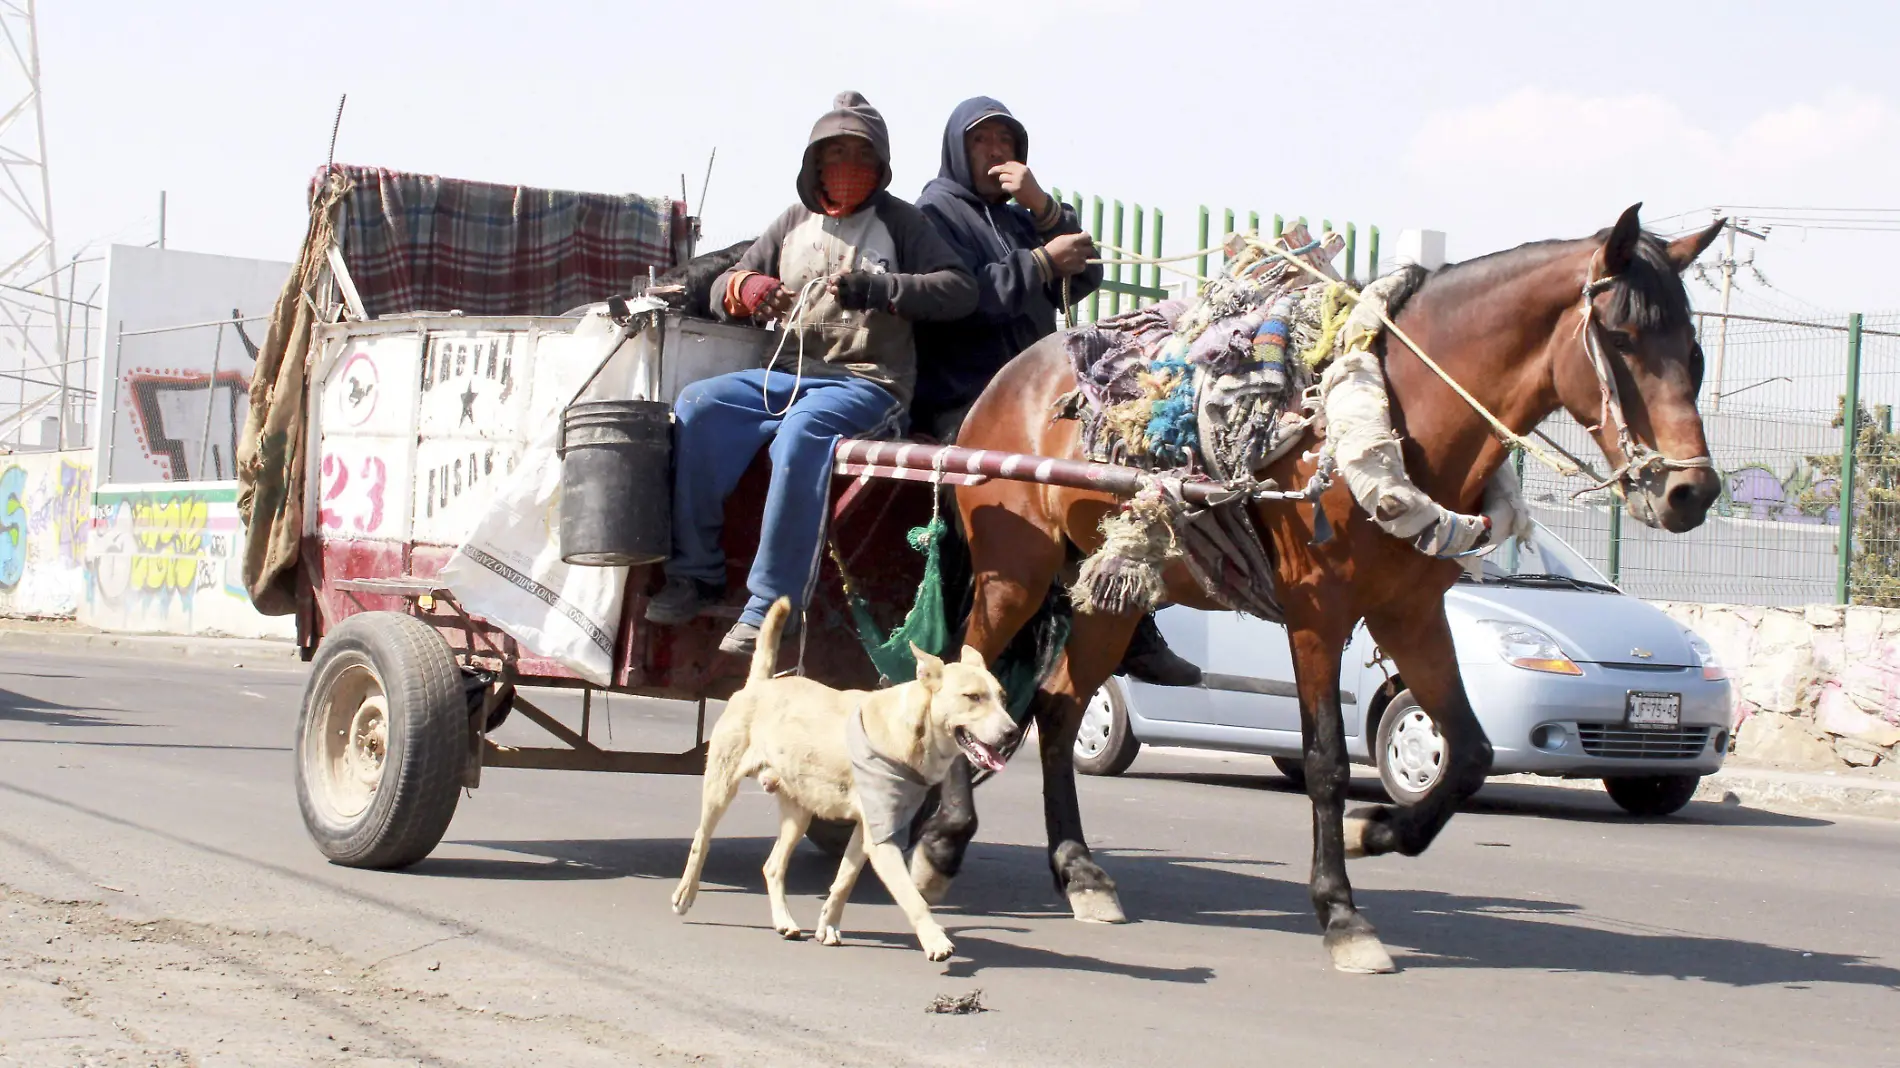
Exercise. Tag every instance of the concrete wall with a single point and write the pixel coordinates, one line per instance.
(168, 559)
(175, 401)
(1815, 687)
(45, 517)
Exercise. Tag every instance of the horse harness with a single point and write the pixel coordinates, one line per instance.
(1638, 458)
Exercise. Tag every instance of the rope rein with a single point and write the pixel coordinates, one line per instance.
(793, 321)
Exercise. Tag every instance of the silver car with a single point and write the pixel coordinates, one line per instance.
(1569, 676)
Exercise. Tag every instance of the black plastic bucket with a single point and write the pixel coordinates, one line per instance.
(616, 483)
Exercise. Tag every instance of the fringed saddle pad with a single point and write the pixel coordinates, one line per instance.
(1213, 389)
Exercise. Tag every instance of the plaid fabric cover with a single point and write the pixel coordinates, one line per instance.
(416, 242)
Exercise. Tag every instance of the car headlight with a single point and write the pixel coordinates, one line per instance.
(1712, 669)
(1529, 648)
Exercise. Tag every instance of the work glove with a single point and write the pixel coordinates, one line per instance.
(863, 291)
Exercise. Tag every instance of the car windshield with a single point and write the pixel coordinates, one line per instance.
(1548, 560)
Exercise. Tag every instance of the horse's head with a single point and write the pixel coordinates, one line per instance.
(1636, 372)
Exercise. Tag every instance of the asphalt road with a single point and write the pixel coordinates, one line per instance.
(1542, 929)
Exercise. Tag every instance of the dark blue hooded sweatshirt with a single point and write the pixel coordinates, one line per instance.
(1015, 307)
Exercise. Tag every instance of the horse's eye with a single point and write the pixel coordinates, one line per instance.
(1622, 341)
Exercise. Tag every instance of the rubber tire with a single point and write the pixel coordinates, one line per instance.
(1652, 795)
(1293, 770)
(1121, 747)
(1397, 790)
(427, 747)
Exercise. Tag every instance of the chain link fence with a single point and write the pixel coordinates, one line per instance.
(1773, 397)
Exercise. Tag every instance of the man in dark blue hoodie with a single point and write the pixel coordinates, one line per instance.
(1020, 253)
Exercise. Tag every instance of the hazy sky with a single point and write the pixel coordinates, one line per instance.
(1498, 123)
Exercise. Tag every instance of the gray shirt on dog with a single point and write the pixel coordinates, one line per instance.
(889, 792)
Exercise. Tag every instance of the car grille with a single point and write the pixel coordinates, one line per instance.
(1624, 743)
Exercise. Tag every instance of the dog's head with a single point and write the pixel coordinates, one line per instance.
(965, 704)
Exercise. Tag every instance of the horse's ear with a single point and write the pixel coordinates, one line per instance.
(1684, 250)
(1620, 248)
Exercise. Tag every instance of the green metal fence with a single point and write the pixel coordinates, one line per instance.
(1772, 412)
(1141, 230)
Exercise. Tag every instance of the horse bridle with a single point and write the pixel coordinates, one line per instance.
(1638, 457)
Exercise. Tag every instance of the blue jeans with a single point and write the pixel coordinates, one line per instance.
(722, 422)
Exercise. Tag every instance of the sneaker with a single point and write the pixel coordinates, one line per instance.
(741, 640)
(683, 598)
(1149, 659)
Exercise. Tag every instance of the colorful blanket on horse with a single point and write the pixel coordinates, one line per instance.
(1220, 388)
(1210, 387)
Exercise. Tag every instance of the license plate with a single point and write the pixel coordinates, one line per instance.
(1654, 711)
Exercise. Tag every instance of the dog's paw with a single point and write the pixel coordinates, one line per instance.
(789, 931)
(683, 898)
(829, 936)
(937, 945)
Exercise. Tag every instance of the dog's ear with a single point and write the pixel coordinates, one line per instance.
(929, 668)
(972, 657)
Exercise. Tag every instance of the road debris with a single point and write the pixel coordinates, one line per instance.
(957, 1005)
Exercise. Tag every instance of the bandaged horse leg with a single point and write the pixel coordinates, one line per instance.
(1359, 433)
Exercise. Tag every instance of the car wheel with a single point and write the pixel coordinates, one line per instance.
(1411, 751)
(1105, 745)
(1652, 795)
(1293, 770)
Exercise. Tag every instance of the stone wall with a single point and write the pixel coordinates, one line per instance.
(1816, 687)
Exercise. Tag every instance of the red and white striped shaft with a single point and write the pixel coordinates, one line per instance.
(882, 459)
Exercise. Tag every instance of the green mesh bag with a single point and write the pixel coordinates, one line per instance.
(925, 625)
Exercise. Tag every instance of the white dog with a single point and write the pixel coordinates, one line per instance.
(867, 757)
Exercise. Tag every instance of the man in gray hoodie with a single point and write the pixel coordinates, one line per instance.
(845, 272)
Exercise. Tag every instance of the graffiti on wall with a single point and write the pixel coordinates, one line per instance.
(1803, 496)
(45, 517)
(188, 420)
(13, 527)
(158, 551)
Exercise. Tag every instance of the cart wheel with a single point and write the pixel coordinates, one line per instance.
(382, 741)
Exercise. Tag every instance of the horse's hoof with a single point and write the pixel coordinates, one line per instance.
(1361, 954)
(931, 883)
(1096, 906)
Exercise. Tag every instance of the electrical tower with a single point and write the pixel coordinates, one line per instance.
(30, 304)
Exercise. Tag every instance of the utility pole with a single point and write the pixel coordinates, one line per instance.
(1728, 264)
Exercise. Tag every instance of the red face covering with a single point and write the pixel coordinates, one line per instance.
(844, 186)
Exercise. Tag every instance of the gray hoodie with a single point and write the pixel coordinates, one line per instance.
(885, 235)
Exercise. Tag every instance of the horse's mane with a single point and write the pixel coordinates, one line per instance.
(1650, 295)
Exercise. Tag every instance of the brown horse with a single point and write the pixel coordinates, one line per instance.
(1518, 330)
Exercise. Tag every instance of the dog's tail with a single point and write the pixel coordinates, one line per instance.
(765, 655)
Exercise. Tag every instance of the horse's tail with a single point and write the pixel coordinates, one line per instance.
(765, 655)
